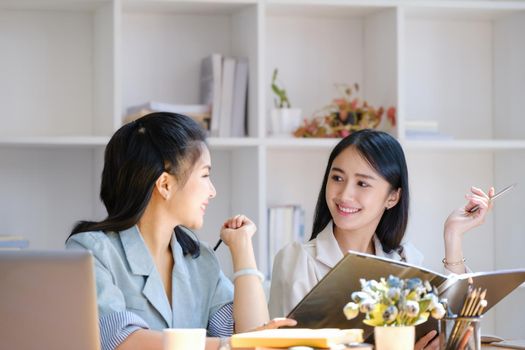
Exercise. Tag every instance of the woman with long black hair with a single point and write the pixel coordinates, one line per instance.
(151, 271)
(363, 206)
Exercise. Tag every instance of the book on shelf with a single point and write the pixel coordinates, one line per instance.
(11, 242)
(420, 129)
(210, 88)
(200, 113)
(285, 225)
(323, 306)
(287, 337)
(225, 115)
(224, 88)
(240, 98)
(426, 135)
(422, 125)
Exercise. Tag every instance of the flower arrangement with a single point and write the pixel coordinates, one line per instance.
(395, 302)
(344, 116)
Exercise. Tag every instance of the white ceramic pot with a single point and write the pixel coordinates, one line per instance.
(284, 121)
(394, 338)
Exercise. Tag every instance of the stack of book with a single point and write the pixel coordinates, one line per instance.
(200, 113)
(224, 88)
(9, 242)
(285, 225)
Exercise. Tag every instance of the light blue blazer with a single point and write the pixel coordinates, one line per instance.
(127, 280)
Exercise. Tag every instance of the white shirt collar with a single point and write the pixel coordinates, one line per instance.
(329, 253)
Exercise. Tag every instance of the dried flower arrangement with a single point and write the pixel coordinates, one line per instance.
(344, 115)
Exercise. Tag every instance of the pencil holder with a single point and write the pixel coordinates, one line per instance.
(460, 333)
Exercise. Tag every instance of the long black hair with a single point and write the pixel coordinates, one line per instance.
(385, 155)
(136, 155)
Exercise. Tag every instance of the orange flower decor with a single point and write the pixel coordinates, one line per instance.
(344, 116)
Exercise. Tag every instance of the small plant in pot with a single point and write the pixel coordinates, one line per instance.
(284, 119)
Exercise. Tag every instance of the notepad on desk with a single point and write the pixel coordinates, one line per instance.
(511, 344)
(323, 306)
(287, 337)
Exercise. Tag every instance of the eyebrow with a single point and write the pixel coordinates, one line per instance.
(366, 176)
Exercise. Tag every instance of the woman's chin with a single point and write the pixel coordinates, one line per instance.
(195, 225)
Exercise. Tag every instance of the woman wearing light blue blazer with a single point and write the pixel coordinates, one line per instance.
(151, 271)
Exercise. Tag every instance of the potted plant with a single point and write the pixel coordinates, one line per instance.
(284, 119)
(394, 306)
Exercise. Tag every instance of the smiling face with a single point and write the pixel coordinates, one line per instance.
(356, 194)
(188, 203)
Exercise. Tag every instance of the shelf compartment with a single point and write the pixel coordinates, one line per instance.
(163, 44)
(287, 183)
(362, 48)
(58, 68)
(55, 187)
(468, 62)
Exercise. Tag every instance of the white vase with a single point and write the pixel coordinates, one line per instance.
(284, 121)
(394, 338)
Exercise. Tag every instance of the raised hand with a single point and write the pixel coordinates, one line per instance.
(462, 219)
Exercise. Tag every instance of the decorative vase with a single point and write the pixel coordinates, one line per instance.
(284, 121)
(394, 338)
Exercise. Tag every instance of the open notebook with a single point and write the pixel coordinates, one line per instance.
(323, 306)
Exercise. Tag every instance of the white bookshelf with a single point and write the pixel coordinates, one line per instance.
(71, 68)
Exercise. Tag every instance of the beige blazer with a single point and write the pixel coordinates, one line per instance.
(299, 266)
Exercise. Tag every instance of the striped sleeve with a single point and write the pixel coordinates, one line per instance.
(221, 322)
(117, 326)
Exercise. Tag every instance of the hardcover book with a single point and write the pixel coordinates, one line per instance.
(323, 306)
(284, 338)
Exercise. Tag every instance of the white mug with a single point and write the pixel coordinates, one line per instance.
(184, 338)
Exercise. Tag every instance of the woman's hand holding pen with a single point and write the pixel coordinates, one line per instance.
(249, 302)
(237, 230)
(460, 221)
(237, 233)
(463, 219)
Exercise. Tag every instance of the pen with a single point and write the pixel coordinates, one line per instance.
(218, 244)
(505, 190)
(229, 226)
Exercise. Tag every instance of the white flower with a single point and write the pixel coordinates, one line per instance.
(428, 287)
(358, 297)
(351, 310)
(412, 308)
(390, 314)
(438, 312)
(434, 302)
(366, 306)
(394, 293)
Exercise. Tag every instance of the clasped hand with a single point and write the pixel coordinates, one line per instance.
(238, 228)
